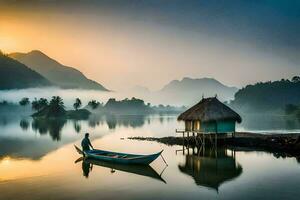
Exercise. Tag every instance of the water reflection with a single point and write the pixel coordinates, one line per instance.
(210, 167)
(51, 126)
(141, 170)
(114, 121)
(77, 126)
(133, 121)
(55, 126)
(269, 123)
(24, 124)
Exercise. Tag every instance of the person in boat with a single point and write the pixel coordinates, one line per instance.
(86, 143)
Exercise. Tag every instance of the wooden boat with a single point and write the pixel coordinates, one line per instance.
(141, 170)
(120, 158)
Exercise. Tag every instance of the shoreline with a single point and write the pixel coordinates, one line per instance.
(284, 145)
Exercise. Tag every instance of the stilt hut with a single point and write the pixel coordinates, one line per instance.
(209, 116)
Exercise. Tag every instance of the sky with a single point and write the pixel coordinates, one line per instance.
(124, 43)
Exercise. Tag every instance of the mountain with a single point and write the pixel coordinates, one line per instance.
(189, 91)
(58, 74)
(15, 75)
(268, 96)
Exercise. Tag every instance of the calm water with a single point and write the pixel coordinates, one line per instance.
(37, 161)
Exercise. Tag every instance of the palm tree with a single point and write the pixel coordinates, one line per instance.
(24, 101)
(35, 104)
(40, 104)
(43, 103)
(56, 101)
(56, 106)
(77, 104)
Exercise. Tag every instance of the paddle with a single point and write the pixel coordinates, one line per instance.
(79, 160)
(79, 150)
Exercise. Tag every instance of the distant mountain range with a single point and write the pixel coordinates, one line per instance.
(15, 75)
(187, 92)
(190, 90)
(56, 73)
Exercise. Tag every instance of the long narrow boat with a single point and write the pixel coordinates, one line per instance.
(121, 158)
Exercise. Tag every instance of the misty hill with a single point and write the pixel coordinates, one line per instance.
(268, 96)
(189, 91)
(15, 75)
(58, 74)
(127, 106)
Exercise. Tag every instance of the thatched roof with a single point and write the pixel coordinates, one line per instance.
(209, 109)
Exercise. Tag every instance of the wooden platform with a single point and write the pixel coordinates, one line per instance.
(204, 138)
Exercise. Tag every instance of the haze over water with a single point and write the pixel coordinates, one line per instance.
(51, 172)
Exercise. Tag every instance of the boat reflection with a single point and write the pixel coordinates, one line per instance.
(210, 167)
(142, 170)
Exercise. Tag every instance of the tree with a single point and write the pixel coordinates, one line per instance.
(35, 104)
(24, 101)
(54, 109)
(43, 103)
(77, 104)
(56, 101)
(39, 104)
(93, 104)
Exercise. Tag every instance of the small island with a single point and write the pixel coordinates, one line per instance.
(55, 109)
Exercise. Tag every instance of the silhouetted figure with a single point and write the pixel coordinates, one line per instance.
(86, 168)
(86, 143)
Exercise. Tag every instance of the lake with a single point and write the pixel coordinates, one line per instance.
(38, 161)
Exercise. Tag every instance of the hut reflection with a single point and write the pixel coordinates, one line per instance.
(210, 167)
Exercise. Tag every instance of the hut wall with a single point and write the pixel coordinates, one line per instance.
(192, 125)
(220, 127)
(226, 126)
(188, 125)
(196, 125)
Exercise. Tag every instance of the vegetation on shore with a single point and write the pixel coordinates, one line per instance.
(133, 106)
(56, 109)
(268, 96)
